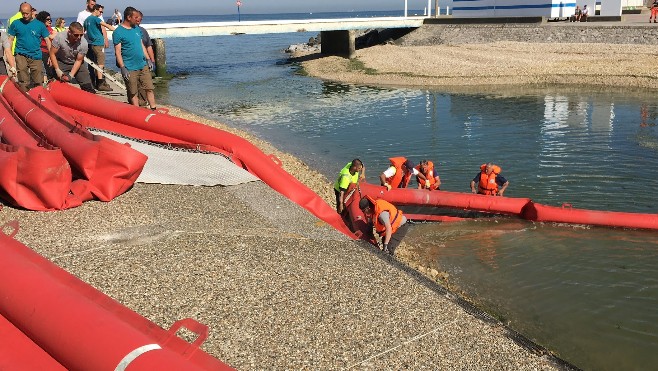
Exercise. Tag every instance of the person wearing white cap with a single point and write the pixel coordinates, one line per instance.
(399, 173)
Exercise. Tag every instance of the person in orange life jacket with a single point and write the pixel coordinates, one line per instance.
(426, 168)
(489, 181)
(399, 173)
(385, 217)
(353, 172)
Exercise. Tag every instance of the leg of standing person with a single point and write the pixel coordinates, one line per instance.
(141, 96)
(3, 67)
(36, 71)
(131, 87)
(92, 72)
(22, 71)
(99, 52)
(146, 83)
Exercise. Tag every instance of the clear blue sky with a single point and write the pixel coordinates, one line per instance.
(69, 8)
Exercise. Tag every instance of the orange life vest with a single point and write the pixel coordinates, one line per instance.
(429, 175)
(395, 216)
(487, 184)
(401, 177)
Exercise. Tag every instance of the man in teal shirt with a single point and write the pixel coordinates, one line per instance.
(28, 34)
(131, 58)
(351, 173)
(96, 38)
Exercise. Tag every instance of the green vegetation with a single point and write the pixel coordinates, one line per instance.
(300, 70)
(356, 65)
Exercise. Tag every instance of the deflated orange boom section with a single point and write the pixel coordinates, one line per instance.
(110, 168)
(33, 174)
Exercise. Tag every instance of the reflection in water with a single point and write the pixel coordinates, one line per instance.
(589, 294)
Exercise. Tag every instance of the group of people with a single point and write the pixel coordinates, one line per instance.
(33, 51)
(580, 15)
(383, 215)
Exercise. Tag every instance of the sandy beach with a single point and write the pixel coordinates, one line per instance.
(500, 63)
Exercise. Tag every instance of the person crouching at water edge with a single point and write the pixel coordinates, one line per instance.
(399, 173)
(432, 180)
(489, 180)
(386, 218)
(350, 174)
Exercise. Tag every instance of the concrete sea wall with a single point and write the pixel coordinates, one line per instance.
(434, 34)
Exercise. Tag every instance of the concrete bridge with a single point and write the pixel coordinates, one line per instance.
(337, 34)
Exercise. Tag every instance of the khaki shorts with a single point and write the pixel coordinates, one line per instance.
(139, 80)
(99, 51)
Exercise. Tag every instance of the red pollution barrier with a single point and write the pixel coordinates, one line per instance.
(521, 207)
(456, 200)
(35, 178)
(355, 218)
(86, 120)
(14, 131)
(94, 122)
(82, 328)
(18, 352)
(33, 174)
(567, 214)
(434, 218)
(240, 150)
(109, 167)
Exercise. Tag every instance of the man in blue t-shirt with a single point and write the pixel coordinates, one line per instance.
(96, 38)
(28, 34)
(131, 58)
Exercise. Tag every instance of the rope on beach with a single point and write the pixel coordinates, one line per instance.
(407, 342)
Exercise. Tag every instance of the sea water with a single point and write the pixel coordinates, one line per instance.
(589, 294)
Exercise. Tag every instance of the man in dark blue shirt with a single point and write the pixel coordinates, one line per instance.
(489, 181)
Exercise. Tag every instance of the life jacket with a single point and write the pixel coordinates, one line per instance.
(429, 175)
(401, 178)
(487, 184)
(395, 215)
